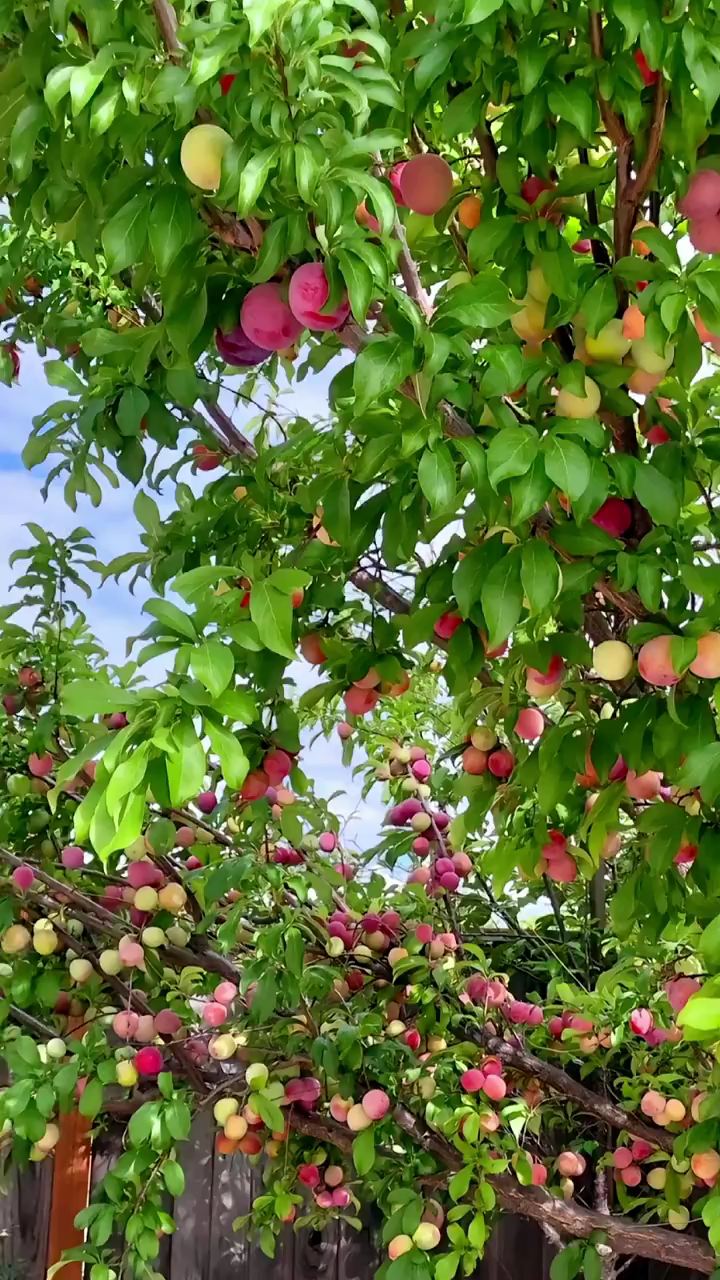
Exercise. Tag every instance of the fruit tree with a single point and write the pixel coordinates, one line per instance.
(491, 567)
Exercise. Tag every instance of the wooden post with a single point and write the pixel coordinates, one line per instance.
(71, 1185)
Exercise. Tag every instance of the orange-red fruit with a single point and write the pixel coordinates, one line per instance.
(655, 662)
(360, 702)
(474, 761)
(469, 212)
(530, 724)
(311, 648)
(426, 183)
(707, 661)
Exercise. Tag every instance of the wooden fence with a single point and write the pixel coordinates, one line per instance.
(205, 1247)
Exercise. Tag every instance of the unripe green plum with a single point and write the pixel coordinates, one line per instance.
(569, 405)
(610, 345)
(612, 660)
(648, 359)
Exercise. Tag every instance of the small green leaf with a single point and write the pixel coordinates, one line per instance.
(271, 611)
(436, 477)
(174, 1178)
(512, 452)
(363, 1151)
(502, 598)
(212, 662)
(567, 465)
(540, 574)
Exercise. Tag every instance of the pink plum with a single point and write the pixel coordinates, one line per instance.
(308, 294)
(267, 319)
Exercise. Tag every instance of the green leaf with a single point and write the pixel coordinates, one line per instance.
(212, 662)
(171, 617)
(174, 1178)
(260, 15)
(459, 1184)
(701, 1013)
(359, 283)
(709, 945)
(89, 698)
(484, 304)
(178, 1119)
(479, 10)
(124, 237)
(91, 1099)
(253, 177)
(271, 611)
(132, 407)
(381, 366)
(363, 1151)
(566, 1264)
(512, 452)
(567, 465)
(501, 598)
(233, 761)
(436, 477)
(658, 494)
(185, 763)
(540, 574)
(573, 100)
(60, 374)
(171, 225)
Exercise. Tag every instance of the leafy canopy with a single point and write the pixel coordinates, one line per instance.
(493, 226)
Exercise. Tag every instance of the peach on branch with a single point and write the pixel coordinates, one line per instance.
(398, 1246)
(425, 183)
(543, 684)
(236, 349)
(656, 1178)
(655, 662)
(311, 648)
(530, 724)
(474, 761)
(469, 212)
(706, 663)
(40, 766)
(426, 1236)
(359, 702)
(80, 970)
(612, 660)
(446, 625)
(649, 77)
(267, 319)
(308, 293)
(705, 234)
(643, 786)
(501, 763)
(610, 345)
(648, 359)
(533, 187)
(201, 155)
(652, 1104)
(529, 322)
(633, 323)
(569, 404)
(23, 878)
(206, 459)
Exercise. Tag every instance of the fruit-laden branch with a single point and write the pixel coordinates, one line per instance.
(99, 920)
(567, 1217)
(564, 1084)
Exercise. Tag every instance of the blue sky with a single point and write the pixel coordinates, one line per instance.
(112, 612)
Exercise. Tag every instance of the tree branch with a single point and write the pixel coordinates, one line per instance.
(564, 1084)
(166, 18)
